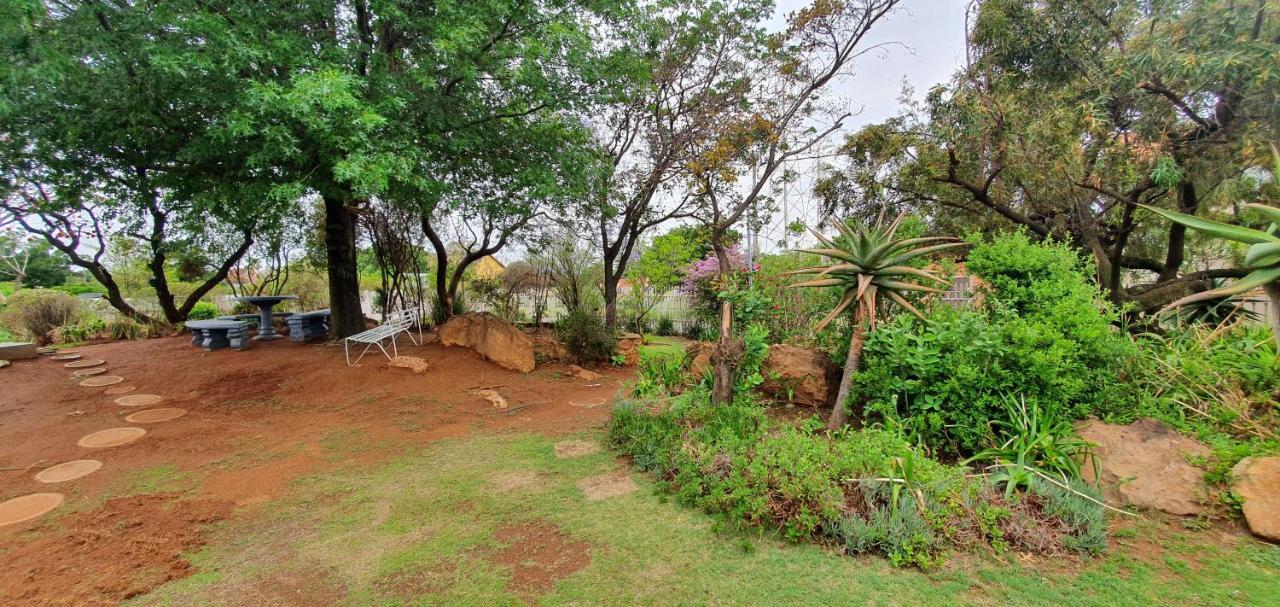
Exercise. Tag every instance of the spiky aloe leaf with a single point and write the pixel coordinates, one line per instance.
(910, 271)
(1215, 228)
(825, 282)
(1271, 213)
(900, 300)
(914, 253)
(1253, 280)
(844, 303)
(1262, 254)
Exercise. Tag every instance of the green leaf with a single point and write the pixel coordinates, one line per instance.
(1215, 228)
(1255, 279)
(1262, 254)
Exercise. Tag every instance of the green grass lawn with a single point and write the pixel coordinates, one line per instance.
(660, 345)
(422, 530)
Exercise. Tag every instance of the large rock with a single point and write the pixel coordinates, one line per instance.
(629, 348)
(1257, 483)
(1144, 464)
(17, 350)
(807, 377)
(497, 340)
(547, 347)
(699, 354)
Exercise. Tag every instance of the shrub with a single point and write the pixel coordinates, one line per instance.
(869, 490)
(203, 310)
(659, 373)
(585, 336)
(665, 326)
(1043, 332)
(126, 329)
(82, 330)
(37, 312)
(79, 289)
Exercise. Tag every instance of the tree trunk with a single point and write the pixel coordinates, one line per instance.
(851, 363)
(1273, 311)
(346, 317)
(1187, 203)
(611, 301)
(728, 350)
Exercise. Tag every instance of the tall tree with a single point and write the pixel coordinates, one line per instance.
(782, 120)
(1071, 114)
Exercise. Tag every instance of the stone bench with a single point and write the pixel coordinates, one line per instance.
(214, 334)
(309, 325)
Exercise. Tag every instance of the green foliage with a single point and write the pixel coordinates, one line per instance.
(868, 489)
(79, 289)
(659, 373)
(86, 329)
(203, 310)
(585, 336)
(1043, 333)
(35, 313)
(665, 326)
(1034, 443)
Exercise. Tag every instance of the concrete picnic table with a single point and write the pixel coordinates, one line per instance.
(214, 334)
(266, 332)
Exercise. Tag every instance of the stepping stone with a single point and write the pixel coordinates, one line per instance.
(27, 507)
(138, 400)
(105, 380)
(65, 357)
(155, 415)
(112, 438)
(67, 471)
(575, 448)
(84, 363)
(118, 390)
(89, 372)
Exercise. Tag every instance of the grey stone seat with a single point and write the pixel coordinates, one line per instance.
(214, 334)
(308, 325)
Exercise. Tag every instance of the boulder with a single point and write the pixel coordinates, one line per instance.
(1144, 464)
(17, 350)
(807, 377)
(547, 347)
(584, 374)
(629, 348)
(1257, 484)
(497, 340)
(412, 363)
(698, 354)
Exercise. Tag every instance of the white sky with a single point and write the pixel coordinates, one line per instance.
(926, 45)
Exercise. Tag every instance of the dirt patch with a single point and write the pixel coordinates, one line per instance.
(125, 548)
(539, 555)
(515, 481)
(605, 486)
(294, 588)
(242, 385)
(414, 582)
(576, 448)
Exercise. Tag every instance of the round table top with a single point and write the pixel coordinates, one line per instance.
(268, 299)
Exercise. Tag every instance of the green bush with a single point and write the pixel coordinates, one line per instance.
(869, 490)
(659, 373)
(665, 326)
(79, 289)
(1043, 333)
(585, 336)
(35, 313)
(85, 329)
(203, 310)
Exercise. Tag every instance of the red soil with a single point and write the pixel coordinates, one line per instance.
(248, 433)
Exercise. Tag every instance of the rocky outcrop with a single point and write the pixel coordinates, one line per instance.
(698, 354)
(800, 375)
(17, 350)
(1257, 484)
(629, 348)
(1144, 464)
(497, 340)
(547, 347)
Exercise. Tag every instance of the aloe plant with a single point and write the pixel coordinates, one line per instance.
(1262, 258)
(871, 265)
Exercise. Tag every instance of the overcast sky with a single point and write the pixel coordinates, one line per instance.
(924, 45)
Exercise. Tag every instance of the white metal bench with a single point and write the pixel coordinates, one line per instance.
(395, 323)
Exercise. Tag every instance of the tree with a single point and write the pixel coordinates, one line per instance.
(663, 114)
(775, 125)
(866, 265)
(1069, 115)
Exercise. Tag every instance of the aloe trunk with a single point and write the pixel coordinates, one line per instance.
(852, 361)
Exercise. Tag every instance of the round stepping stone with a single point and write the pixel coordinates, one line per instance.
(80, 364)
(105, 380)
(118, 390)
(27, 507)
(65, 357)
(67, 471)
(155, 415)
(138, 400)
(89, 372)
(112, 438)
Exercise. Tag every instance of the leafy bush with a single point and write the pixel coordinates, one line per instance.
(665, 326)
(83, 330)
(1035, 443)
(79, 289)
(1043, 332)
(659, 373)
(126, 329)
(585, 336)
(868, 489)
(35, 313)
(203, 310)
